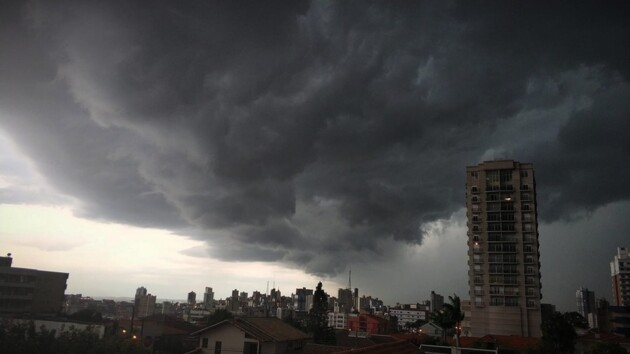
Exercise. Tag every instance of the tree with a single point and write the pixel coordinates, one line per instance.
(558, 334)
(219, 315)
(451, 315)
(26, 339)
(576, 320)
(318, 318)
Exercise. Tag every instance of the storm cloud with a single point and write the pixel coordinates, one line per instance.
(314, 133)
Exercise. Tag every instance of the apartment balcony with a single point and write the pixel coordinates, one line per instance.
(478, 292)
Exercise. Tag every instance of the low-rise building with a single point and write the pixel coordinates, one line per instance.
(262, 335)
(338, 320)
(24, 290)
(368, 324)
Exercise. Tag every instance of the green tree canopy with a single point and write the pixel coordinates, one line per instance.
(558, 334)
(219, 315)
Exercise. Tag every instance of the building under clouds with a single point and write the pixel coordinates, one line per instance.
(504, 272)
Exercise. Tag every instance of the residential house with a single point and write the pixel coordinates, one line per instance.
(253, 335)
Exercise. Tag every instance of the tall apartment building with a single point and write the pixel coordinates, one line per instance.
(504, 268)
(585, 301)
(620, 273)
(192, 298)
(208, 298)
(436, 301)
(24, 290)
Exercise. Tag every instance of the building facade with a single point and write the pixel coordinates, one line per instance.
(192, 298)
(620, 273)
(24, 290)
(208, 298)
(436, 301)
(585, 301)
(503, 256)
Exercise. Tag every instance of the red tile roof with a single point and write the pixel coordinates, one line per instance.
(265, 329)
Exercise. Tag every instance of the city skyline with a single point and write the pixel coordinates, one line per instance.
(180, 146)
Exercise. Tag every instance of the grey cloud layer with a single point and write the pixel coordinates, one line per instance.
(312, 133)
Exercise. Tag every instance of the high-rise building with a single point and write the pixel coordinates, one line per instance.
(620, 272)
(344, 296)
(504, 268)
(208, 298)
(192, 298)
(585, 301)
(300, 304)
(144, 304)
(141, 291)
(436, 301)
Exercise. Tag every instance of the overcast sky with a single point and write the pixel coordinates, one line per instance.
(178, 145)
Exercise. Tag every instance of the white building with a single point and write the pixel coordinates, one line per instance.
(409, 315)
(338, 320)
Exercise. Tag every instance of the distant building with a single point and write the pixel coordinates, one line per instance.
(504, 264)
(409, 315)
(234, 305)
(620, 273)
(24, 290)
(585, 301)
(367, 324)
(192, 298)
(437, 301)
(144, 305)
(208, 298)
(345, 300)
(141, 291)
(300, 304)
(338, 320)
(431, 329)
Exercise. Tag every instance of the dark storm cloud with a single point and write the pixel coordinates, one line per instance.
(314, 133)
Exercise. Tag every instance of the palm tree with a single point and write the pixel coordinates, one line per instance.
(453, 311)
(450, 315)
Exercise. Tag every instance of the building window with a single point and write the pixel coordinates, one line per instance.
(475, 199)
(525, 187)
(523, 173)
(474, 189)
(496, 301)
(204, 343)
(511, 301)
(217, 347)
